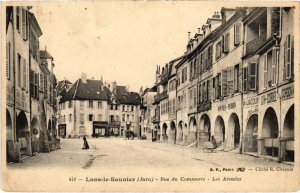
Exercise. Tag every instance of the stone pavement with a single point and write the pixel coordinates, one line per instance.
(118, 152)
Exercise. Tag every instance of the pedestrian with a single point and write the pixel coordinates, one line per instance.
(85, 143)
(214, 142)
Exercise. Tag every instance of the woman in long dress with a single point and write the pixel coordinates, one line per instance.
(85, 144)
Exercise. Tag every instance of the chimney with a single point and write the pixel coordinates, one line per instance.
(83, 78)
(189, 36)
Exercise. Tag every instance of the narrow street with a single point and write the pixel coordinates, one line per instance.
(118, 152)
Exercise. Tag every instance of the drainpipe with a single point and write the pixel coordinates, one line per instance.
(14, 78)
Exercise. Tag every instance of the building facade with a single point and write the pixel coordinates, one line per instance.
(93, 108)
(235, 84)
(24, 98)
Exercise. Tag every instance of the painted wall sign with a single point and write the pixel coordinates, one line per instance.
(251, 101)
(268, 98)
(287, 92)
(228, 106)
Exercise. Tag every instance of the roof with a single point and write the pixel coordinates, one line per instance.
(123, 96)
(61, 90)
(44, 54)
(35, 23)
(91, 90)
(47, 72)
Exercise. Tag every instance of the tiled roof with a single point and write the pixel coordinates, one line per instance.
(61, 90)
(125, 97)
(91, 90)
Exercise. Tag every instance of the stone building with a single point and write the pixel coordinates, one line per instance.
(24, 85)
(96, 108)
(235, 83)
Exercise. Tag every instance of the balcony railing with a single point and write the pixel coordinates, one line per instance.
(255, 44)
(155, 118)
(204, 106)
(161, 96)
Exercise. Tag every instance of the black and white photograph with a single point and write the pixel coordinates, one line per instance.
(153, 96)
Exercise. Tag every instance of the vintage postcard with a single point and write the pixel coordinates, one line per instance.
(150, 96)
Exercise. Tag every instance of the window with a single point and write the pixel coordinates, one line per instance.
(178, 79)
(195, 97)
(127, 117)
(90, 117)
(70, 117)
(24, 24)
(132, 108)
(236, 78)
(237, 34)
(99, 104)
(123, 117)
(218, 50)
(45, 86)
(8, 60)
(224, 83)
(209, 55)
(18, 18)
(252, 76)
(70, 104)
(245, 79)
(90, 104)
(225, 42)
(64, 118)
(42, 82)
(99, 117)
(19, 70)
(218, 86)
(81, 104)
(230, 80)
(288, 68)
(81, 117)
(123, 108)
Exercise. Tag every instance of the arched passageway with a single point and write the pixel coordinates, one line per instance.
(235, 130)
(219, 130)
(289, 135)
(22, 132)
(179, 133)
(172, 134)
(204, 131)
(250, 138)
(9, 132)
(192, 133)
(270, 132)
(164, 132)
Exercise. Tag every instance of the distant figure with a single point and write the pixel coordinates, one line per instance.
(85, 143)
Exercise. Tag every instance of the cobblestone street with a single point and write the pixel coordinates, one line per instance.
(118, 152)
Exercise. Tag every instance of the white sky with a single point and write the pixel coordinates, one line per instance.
(122, 41)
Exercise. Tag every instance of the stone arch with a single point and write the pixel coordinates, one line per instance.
(172, 134)
(204, 129)
(192, 133)
(9, 131)
(235, 130)
(270, 133)
(164, 132)
(179, 133)
(219, 130)
(22, 125)
(251, 133)
(289, 135)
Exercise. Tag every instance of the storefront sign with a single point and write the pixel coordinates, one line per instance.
(268, 98)
(287, 92)
(250, 102)
(229, 106)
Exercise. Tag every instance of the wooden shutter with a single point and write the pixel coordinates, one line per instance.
(230, 78)
(226, 43)
(45, 87)
(274, 66)
(24, 73)
(288, 56)
(237, 32)
(8, 60)
(252, 76)
(42, 82)
(292, 56)
(265, 71)
(245, 79)
(31, 83)
(24, 30)
(224, 83)
(284, 61)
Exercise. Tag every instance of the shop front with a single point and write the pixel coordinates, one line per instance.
(100, 129)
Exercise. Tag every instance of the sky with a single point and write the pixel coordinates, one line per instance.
(122, 41)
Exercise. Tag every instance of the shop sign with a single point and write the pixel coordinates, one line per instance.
(268, 98)
(287, 92)
(229, 106)
(250, 112)
(251, 101)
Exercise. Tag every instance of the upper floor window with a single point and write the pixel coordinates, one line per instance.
(8, 60)
(81, 104)
(218, 50)
(288, 68)
(81, 118)
(70, 117)
(225, 39)
(237, 34)
(99, 104)
(70, 104)
(270, 66)
(90, 104)
(252, 76)
(90, 117)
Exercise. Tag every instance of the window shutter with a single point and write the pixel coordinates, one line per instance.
(23, 23)
(224, 83)
(211, 94)
(288, 57)
(45, 87)
(230, 74)
(284, 61)
(252, 73)
(245, 79)
(222, 43)
(292, 56)
(42, 82)
(265, 71)
(37, 84)
(274, 66)
(8, 60)
(237, 29)
(31, 83)
(226, 43)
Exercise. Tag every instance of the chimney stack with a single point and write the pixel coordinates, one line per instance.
(83, 78)
(189, 36)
